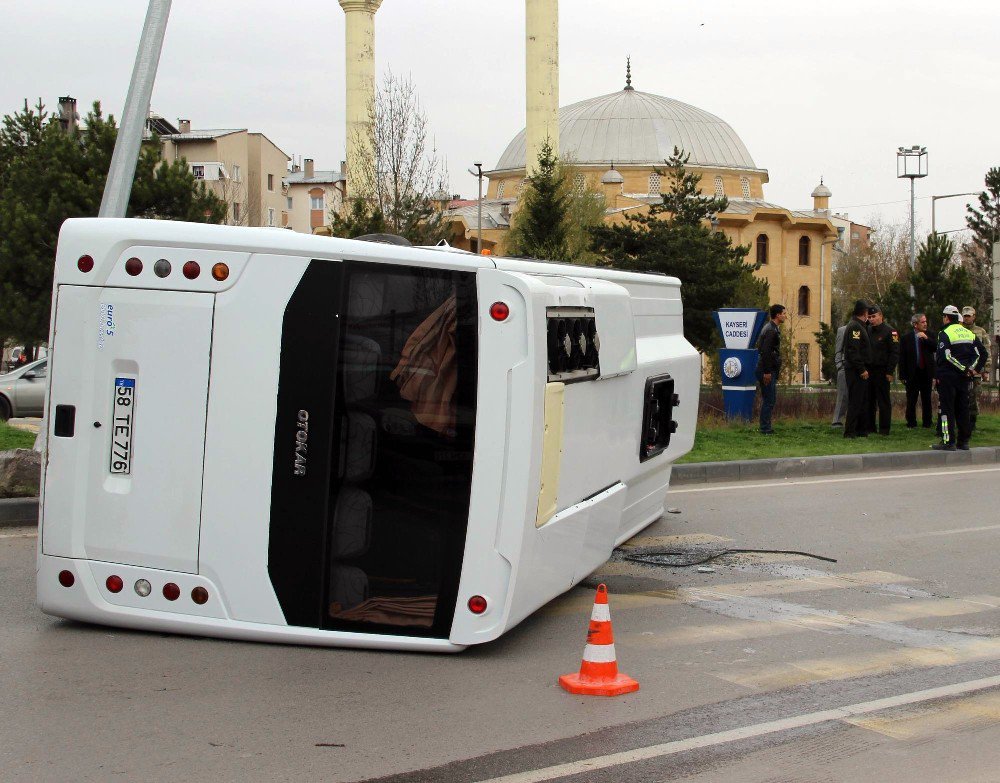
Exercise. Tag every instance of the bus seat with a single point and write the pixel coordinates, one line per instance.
(352, 523)
(361, 357)
(358, 436)
(348, 588)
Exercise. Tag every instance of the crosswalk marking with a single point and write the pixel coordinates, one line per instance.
(742, 630)
(867, 665)
(579, 601)
(930, 720)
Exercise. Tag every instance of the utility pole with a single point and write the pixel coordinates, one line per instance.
(118, 187)
(995, 348)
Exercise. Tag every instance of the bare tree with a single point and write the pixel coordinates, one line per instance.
(868, 271)
(234, 193)
(398, 170)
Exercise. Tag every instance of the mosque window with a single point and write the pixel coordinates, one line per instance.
(720, 191)
(762, 248)
(804, 300)
(804, 251)
(500, 188)
(654, 184)
(745, 184)
(579, 183)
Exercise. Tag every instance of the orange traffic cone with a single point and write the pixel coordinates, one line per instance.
(599, 675)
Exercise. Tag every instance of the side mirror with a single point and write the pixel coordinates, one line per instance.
(30, 376)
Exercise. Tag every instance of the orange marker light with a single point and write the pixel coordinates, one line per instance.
(220, 272)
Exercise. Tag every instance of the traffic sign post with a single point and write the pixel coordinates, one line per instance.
(739, 328)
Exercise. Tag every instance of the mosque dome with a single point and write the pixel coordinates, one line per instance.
(612, 176)
(821, 191)
(631, 128)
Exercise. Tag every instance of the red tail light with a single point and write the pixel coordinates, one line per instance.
(477, 604)
(114, 584)
(85, 263)
(171, 591)
(499, 311)
(133, 266)
(191, 270)
(199, 595)
(66, 578)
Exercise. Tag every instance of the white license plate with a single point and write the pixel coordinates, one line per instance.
(123, 425)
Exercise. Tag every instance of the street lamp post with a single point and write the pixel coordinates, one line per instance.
(477, 171)
(935, 199)
(911, 164)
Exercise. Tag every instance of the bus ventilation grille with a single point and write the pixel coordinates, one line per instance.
(573, 344)
(658, 422)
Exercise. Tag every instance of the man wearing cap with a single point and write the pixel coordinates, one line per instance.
(884, 358)
(857, 355)
(969, 321)
(960, 357)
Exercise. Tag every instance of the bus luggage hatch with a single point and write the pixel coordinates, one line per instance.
(134, 365)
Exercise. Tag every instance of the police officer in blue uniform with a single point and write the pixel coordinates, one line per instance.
(960, 356)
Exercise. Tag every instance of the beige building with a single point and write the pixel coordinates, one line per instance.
(311, 196)
(617, 143)
(244, 169)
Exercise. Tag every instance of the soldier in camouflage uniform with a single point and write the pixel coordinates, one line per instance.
(969, 320)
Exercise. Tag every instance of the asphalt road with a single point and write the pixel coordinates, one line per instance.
(768, 669)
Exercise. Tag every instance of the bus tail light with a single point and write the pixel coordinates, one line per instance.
(143, 588)
(477, 604)
(114, 584)
(191, 269)
(499, 311)
(220, 271)
(85, 263)
(199, 595)
(133, 266)
(66, 578)
(171, 591)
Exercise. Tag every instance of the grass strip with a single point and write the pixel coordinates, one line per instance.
(717, 441)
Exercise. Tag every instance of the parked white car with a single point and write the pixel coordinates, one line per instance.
(22, 392)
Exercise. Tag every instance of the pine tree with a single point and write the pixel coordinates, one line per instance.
(984, 221)
(675, 238)
(938, 280)
(48, 175)
(539, 227)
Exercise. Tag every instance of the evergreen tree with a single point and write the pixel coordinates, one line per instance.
(48, 175)
(539, 228)
(361, 218)
(984, 220)
(938, 280)
(675, 238)
(826, 337)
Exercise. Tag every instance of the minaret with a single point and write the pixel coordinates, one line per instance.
(541, 78)
(360, 72)
(821, 197)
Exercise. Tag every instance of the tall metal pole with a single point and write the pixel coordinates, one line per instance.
(913, 244)
(119, 183)
(479, 231)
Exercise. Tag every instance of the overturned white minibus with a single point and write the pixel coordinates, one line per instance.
(264, 435)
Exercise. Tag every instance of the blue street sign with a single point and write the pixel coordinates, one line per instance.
(739, 327)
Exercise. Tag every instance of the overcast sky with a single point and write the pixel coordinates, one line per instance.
(813, 89)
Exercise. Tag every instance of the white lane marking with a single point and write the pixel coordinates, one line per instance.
(877, 477)
(952, 531)
(746, 732)
(33, 534)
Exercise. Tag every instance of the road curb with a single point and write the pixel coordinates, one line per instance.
(811, 467)
(17, 512)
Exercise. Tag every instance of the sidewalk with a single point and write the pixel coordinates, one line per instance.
(798, 467)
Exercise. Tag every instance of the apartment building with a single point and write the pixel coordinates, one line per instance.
(311, 196)
(244, 169)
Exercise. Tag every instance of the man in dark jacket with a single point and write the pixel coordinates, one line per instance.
(769, 365)
(857, 357)
(916, 370)
(885, 356)
(961, 356)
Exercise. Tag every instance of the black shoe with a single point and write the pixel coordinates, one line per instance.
(767, 432)
(963, 447)
(837, 424)
(943, 447)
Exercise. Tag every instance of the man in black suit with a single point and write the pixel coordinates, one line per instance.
(916, 369)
